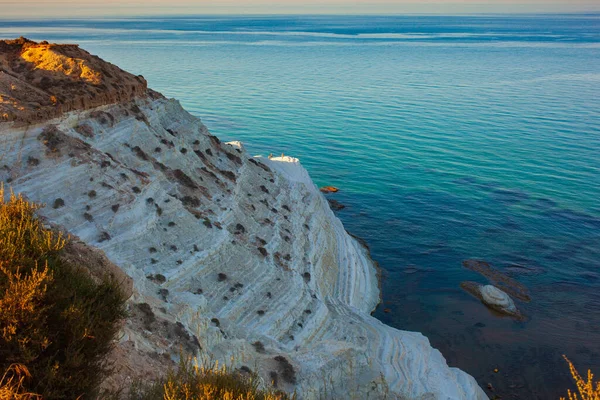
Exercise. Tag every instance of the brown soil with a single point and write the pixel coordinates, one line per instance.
(41, 81)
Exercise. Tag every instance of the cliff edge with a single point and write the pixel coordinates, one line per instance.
(39, 81)
(233, 257)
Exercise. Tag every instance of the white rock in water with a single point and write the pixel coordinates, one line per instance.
(496, 298)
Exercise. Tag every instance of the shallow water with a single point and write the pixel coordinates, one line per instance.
(450, 137)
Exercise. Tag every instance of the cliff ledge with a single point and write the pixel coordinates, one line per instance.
(40, 81)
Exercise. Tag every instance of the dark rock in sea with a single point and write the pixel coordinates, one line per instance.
(519, 269)
(507, 284)
(508, 196)
(590, 276)
(335, 205)
(545, 204)
(413, 269)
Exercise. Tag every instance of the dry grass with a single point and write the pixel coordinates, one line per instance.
(11, 384)
(56, 324)
(588, 390)
(194, 382)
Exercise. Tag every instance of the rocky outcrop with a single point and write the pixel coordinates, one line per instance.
(499, 279)
(39, 81)
(493, 297)
(233, 257)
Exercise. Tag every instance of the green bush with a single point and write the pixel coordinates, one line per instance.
(56, 323)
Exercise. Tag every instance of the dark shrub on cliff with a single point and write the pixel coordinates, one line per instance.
(56, 323)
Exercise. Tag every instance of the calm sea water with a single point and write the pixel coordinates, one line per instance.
(450, 138)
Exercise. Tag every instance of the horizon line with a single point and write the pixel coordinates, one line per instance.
(332, 14)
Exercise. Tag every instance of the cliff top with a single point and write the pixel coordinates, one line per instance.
(40, 81)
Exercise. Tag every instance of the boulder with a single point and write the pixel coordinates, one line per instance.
(493, 297)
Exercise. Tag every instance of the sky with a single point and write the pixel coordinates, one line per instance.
(73, 8)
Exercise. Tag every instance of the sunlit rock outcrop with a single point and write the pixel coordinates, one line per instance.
(39, 81)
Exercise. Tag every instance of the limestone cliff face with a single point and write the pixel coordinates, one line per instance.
(39, 81)
(233, 257)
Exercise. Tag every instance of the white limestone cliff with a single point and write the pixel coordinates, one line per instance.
(225, 250)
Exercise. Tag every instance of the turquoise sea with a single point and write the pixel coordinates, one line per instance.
(450, 138)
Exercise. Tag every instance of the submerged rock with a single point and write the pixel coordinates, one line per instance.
(496, 298)
(499, 279)
(335, 205)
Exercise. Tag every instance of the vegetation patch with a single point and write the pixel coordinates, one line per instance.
(56, 324)
(228, 174)
(140, 153)
(287, 370)
(263, 251)
(148, 317)
(58, 203)
(211, 382)
(190, 201)
(259, 347)
(163, 293)
(104, 236)
(52, 138)
(85, 130)
(103, 117)
(587, 389)
(234, 158)
(158, 278)
(184, 179)
(32, 161)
